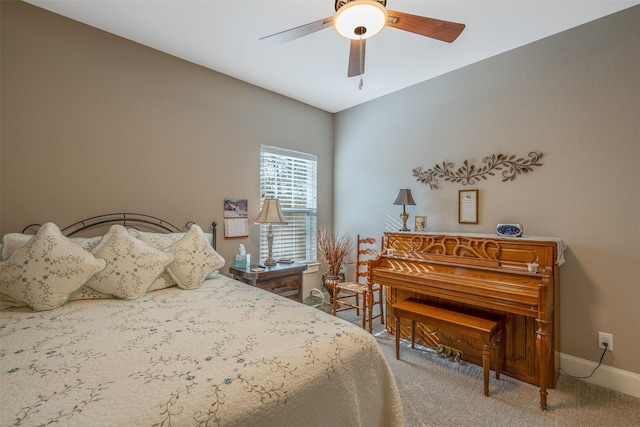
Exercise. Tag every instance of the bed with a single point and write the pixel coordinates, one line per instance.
(179, 352)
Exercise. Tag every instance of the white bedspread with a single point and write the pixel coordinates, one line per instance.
(225, 354)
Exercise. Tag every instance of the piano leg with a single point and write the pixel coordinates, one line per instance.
(543, 352)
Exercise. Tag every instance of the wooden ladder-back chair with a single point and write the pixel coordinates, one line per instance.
(360, 295)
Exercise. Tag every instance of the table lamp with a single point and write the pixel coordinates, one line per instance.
(270, 214)
(404, 198)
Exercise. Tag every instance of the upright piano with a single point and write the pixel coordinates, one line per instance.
(483, 275)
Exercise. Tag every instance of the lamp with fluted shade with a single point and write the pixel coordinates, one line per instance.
(404, 198)
(270, 214)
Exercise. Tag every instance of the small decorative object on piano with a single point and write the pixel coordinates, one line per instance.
(258, 269)
(509, 230)
(285, 261)
(243, 259)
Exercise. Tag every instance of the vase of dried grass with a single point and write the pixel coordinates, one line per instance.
(329, 282)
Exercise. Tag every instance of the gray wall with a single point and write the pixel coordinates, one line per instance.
(93, 123)
(576, 98)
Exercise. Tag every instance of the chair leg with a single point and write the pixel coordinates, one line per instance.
(335, 304)
(357, 304)
(364, 312)
(369, 296)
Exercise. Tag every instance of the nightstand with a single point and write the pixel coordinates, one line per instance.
(281, 279)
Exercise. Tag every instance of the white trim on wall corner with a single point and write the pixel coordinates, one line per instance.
(612, 378)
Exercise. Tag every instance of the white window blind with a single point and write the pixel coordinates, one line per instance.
(290, 177)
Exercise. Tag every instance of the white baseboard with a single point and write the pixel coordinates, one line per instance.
(612, 378)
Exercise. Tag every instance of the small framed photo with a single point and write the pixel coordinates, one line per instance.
(468, 206)
(421, 223)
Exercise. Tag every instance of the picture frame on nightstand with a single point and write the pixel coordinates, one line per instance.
(420, 224)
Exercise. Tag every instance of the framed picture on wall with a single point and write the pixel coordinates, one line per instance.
(420, 223)
(468, 206)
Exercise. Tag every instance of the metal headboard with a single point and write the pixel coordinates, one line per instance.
(127, 219)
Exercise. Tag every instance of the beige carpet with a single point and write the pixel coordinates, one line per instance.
(438, 392)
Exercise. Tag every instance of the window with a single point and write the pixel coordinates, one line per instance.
(290, 177)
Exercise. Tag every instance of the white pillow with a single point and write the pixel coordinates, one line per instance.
(47, 269)
(86, 292)
(14, 241)
(86, 243)
(7, 302)
(160, 241)
(132, 265)
(195, 259)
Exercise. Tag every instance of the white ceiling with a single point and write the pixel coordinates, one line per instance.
(223, 35)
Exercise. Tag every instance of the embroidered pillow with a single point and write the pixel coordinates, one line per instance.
(15, 241)
(12, 242)
(7, 302)
(160, 241)
(47, 269)
(132, 265)
(86, 292)
(195, 259)
(86, 243)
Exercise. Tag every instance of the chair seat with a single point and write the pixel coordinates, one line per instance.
(352, 287)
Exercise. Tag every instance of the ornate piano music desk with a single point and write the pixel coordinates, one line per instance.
(482, 274)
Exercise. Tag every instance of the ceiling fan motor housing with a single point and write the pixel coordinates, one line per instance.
(340, 3)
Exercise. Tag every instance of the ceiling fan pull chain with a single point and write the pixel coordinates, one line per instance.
(361, 52)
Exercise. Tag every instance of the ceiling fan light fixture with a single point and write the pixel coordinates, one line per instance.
(360, 19)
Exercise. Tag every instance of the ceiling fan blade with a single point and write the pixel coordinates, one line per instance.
(356, 57)
(445, 31)
(297, 32)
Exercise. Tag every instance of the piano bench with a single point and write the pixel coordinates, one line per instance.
(489, 331)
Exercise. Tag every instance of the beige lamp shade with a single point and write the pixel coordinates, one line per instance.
(271, 213)
(404, 197)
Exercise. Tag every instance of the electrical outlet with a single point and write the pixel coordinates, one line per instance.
(603, 337)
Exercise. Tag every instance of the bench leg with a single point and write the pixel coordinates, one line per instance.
(397, 321)
(413, 334)
(497, 355)
(486, 366)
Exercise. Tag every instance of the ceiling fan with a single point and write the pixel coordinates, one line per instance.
(359, 20)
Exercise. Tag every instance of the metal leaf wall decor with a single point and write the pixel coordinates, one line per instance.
(470, 174)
